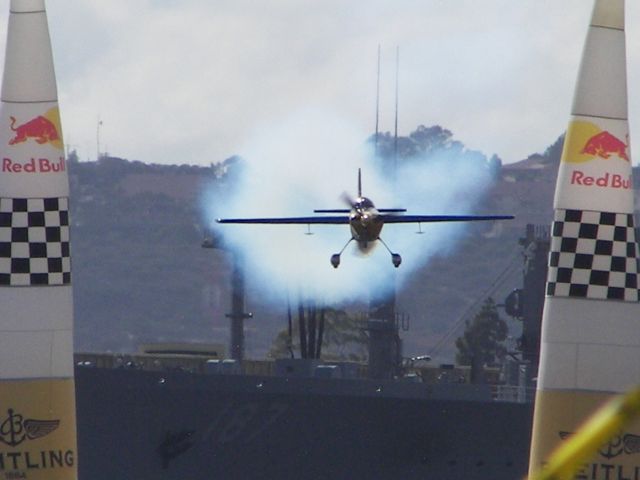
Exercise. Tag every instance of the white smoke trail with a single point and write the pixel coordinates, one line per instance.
(307, 161)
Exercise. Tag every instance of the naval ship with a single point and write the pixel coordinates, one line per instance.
(178, 414)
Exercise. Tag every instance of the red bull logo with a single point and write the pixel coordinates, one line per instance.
(43, 129)
(607, 180)
(586, 141)
(40, 129)
(604, 145)
(40, 165)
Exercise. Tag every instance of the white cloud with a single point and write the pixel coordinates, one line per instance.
(188, 81)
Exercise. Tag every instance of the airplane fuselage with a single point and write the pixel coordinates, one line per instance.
(365, 223)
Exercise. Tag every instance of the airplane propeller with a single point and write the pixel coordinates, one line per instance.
(347, 200)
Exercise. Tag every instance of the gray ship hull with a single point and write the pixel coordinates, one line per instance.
(140, 425)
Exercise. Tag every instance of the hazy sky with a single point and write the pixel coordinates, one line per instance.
(195, 81)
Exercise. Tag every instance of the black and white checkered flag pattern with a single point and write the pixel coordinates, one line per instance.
(593, 255)
(34, 241)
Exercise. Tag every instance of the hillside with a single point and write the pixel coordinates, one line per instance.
(141, 275)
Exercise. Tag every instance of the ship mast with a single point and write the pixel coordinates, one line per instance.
(385, 345)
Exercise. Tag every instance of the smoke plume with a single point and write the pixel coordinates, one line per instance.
(308, 161)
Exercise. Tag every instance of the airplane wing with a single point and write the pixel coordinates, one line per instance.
(441, 218)
(348, 210)
(328, 220)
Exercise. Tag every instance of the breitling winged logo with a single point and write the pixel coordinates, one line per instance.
(15, 429)
(622, 443)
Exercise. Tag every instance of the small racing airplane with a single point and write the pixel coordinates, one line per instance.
(366, 222)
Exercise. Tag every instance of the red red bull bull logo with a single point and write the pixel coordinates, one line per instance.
(597, 158)
(42, 129)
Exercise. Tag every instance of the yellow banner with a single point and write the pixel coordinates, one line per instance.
(559, 415)
(38, 430)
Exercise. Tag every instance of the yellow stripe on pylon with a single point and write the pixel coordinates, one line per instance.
(604, 424)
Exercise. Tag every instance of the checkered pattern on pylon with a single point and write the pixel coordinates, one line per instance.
(34, 241)
(593, 255)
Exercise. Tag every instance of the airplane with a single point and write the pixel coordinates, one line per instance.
(365, 221)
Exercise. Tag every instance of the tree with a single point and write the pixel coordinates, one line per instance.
(344, 338)
(482, 342)
(495, 166)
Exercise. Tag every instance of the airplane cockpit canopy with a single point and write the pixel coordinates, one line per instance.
(363, 202)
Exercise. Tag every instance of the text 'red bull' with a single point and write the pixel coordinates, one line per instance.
(607, 180)
(41, 129)
(40, 165)
(604, 145)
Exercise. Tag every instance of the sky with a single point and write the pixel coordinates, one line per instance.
(196, 81)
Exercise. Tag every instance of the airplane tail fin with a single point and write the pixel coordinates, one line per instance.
(359, 183)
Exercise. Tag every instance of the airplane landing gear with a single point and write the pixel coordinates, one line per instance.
(396, 259)
(335, 258)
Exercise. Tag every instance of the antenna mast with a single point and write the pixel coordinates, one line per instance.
(377, 103)
(98, 139)
(395, 138)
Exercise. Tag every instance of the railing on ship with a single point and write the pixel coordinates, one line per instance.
(513, 393)
(445, 374)
(185, 363)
